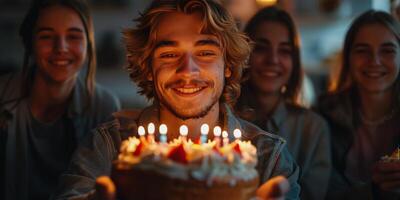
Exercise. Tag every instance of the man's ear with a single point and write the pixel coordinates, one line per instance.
(227, 72)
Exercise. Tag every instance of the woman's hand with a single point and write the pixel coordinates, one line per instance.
(274, 189)
(387, 176)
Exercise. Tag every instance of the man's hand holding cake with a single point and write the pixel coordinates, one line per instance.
(187, 56)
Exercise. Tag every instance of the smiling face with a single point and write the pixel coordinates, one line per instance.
(59, 44)
(271, 60)
(375, 58)
(187, 66)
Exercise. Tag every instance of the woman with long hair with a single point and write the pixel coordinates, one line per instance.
(270, 98)
(362, 110)
(54, 102)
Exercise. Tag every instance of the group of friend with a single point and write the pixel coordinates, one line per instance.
(60, 131)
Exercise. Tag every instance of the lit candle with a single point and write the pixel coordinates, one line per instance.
(237, 134)
(150, 131)
(141, 132)
(217, 135)
(183, 131)
(163, 133)
(225, 139)
(204, 129)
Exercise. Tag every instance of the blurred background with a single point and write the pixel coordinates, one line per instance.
(321, 23)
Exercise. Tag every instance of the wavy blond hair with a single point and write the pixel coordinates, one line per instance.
(140, 42)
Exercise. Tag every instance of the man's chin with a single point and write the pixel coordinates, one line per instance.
(190, 113)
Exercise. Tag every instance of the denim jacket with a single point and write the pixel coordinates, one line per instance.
(94, 158)
(15, 126)
(307, 136)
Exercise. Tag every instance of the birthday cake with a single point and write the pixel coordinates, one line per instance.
(182, 169)
(394, 157)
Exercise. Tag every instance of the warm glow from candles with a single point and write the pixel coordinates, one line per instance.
(141, 131)
(225, 140)
(183, 130)
(237, 133)
(266, 2)
(163, 129)
(204, 129)
(151, 129)
(217, 131)
(224, 134)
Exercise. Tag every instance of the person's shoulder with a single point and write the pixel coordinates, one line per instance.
(122, 120)
(105, 96)
(120, 127)
(256, 134)
(10, 86)
(307, 115)
(10, 79)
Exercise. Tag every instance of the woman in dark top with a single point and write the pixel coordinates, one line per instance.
(270, 98)
(363, 112)
(54, 102)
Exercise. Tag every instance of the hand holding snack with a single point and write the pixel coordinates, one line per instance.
(386, 173)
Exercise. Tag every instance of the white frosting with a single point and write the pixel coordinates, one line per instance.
(204, 161)
(395, 157)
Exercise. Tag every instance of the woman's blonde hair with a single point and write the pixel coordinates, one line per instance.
(140, 42)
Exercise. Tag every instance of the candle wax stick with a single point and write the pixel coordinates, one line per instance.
(204, 132)
(183, 131)
(163, 129)
(225, 139)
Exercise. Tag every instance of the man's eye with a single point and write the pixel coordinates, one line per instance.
(207, 53)
(168, 55)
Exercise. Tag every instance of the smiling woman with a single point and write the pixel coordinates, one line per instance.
(50, 108)
(59, 45)
(363, 110)
(270, 98)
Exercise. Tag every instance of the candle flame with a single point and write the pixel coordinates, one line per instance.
(151, 128)
(163, 129)
(183, 130)
(217, 131)
(204, 129)
(141, 131)
(237, 133)
(224, 134)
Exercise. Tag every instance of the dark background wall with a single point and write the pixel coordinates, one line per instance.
(322, 25)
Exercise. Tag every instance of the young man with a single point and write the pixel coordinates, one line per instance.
(187, 56)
